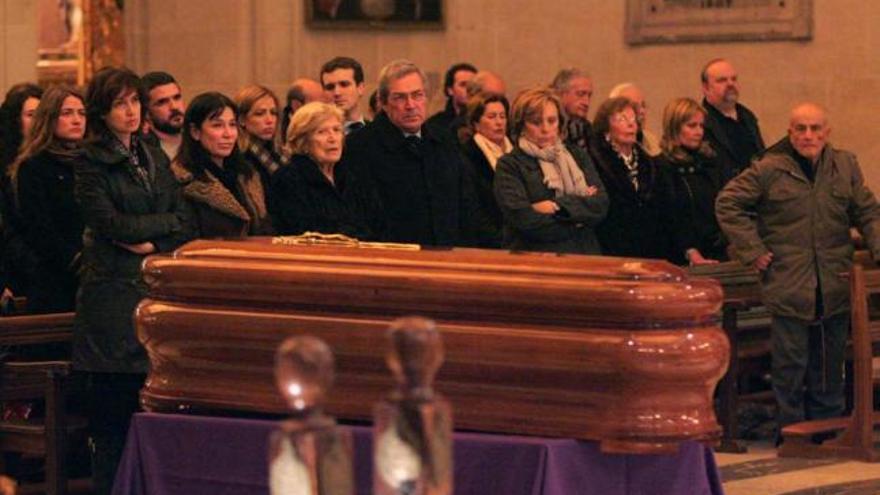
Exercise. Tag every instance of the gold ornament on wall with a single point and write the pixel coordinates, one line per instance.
(104, 42)
(77, 38)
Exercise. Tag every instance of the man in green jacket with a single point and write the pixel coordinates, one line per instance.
(788, 215)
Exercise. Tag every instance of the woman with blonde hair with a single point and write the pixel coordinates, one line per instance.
(43, 177)
(316, 193)
(694, 179)
(260, 138)
(549, 193)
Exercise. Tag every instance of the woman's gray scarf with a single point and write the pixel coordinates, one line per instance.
(561, 172)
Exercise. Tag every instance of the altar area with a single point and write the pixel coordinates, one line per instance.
(566, 374)
(168, 454)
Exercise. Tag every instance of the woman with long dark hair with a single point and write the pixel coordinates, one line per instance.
(224, 190)
(43, 177)
(16, 114)
(132, 207)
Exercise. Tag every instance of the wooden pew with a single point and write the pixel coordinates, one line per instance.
(36, 329)
(857, 438)
(44, 380)
(742, 293)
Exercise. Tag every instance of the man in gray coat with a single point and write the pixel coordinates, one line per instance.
(789, 216)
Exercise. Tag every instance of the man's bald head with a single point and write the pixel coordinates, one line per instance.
(808, 129)
(808, 110)
(309, 88)
(486, 82)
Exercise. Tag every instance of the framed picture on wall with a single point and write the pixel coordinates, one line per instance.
(684, 21)
(374, 14)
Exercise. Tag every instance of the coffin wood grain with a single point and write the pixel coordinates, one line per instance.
(627, 352)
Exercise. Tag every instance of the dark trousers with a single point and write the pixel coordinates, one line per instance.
(112, 400)
(808, 376)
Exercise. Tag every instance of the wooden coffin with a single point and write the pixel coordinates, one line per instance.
(624, 351)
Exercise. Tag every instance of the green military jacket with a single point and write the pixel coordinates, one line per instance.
(772, 206)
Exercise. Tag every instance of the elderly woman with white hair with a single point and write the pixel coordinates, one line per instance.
(315, 193)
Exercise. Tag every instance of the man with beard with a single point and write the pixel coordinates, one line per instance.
(161, 96)
(342, 79)
(575, 90)
(426, 194)
(731, 128)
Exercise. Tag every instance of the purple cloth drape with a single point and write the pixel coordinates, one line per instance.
(170, 454)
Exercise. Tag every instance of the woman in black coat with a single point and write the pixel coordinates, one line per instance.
(633, 227)
(132, 207)
(487, 117)
(694, 178)
(223, 190)
(44, 179)
(16, 116)
(316, 193)
(551, 197)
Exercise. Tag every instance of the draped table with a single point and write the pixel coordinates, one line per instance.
(168, 454)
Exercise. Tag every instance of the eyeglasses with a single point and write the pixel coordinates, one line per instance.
(400, 98)
(623, 119)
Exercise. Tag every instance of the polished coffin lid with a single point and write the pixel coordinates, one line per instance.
(624, 351)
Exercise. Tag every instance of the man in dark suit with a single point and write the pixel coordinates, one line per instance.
(343, 81)
(731, 128)
(455, 86)
(427, 197)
